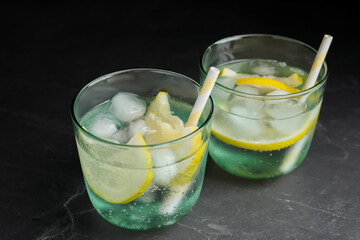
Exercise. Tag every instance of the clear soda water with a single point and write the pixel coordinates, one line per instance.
(261, 138)
(163, 203)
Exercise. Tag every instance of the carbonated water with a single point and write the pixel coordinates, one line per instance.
(176, 178)
(261, 137)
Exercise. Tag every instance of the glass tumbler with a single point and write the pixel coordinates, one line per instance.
(260, 131)
(141, 186)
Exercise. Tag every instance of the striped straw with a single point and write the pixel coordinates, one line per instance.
(203, 97)
(318, 61)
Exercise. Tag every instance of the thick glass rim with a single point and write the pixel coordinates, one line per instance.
(106, 76)
(261, 97)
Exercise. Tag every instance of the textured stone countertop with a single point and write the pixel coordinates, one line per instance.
(48, 52)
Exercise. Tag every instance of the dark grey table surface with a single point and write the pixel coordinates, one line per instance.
(48, 52)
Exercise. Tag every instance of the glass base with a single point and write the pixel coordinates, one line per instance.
(144, 213)
(258, 164)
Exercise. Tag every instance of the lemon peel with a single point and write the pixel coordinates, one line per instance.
(294, 80)
(266, 82)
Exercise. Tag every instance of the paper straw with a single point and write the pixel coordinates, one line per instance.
(203, 97)
(318, 61)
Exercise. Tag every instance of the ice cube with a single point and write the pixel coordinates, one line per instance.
(127, 106)
(103, 127)
(137, 126)
(239, 110)
(164, 167)
(287, 126)
(284, 108)
(247, 107)
(228, 82)
(220, 95)
(286, 114)
(254, 108)
(264, 68)
(122, 136)
(241, 126)
(278, 92)
(247, 89)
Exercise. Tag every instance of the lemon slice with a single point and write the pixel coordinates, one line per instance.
(119, 184)
(275, 143)
(267, 82)
(294, 80)
(270, 140)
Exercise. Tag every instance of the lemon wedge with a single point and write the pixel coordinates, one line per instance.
(294, 80)
(161, 107)
(191, 151)
(189, 168)
(162, 130)
(119, 184)
(267, 82)
(167, 127)
(227, 72)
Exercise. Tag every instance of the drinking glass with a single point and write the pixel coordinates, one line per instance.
(133, 195)
(257, 135)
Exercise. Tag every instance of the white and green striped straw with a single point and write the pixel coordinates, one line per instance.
(203, 97)
(318, 61)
